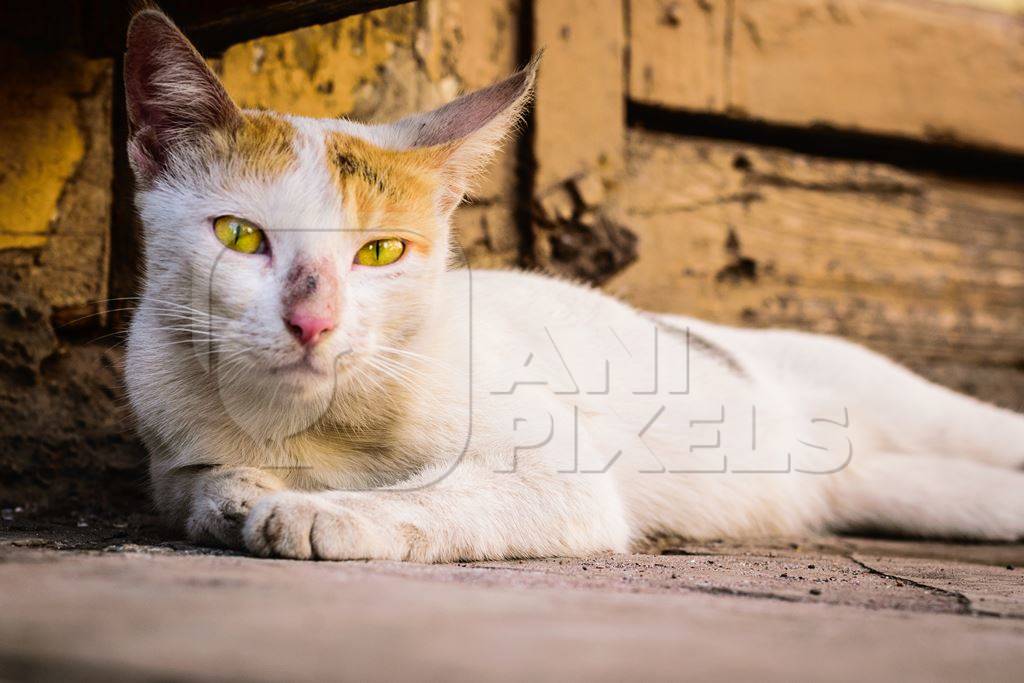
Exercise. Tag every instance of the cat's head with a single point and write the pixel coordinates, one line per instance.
(293, 242)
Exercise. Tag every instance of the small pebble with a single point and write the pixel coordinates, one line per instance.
(810, 566)
(783, 575)
(1010, 567)
(815, 591)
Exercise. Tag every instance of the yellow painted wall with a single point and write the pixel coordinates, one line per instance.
(41, 143)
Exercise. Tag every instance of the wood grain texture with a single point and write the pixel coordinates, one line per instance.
(923, 70)
(98, 27)
(579, 115)
(927, 270)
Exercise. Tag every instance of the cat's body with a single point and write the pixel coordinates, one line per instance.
(418, 412)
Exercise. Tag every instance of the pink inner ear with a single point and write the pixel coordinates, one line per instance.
(145, 153)
(470, 113)
(169, 92)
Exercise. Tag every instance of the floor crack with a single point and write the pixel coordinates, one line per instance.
(965, 605)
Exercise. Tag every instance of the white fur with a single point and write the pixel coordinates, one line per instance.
(925, 461)
(484, 415)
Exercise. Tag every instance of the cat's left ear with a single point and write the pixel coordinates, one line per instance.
(468, 131)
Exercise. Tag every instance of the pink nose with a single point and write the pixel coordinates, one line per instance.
(308, 329)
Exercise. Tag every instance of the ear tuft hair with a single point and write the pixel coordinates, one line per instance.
(170, 92)
(471, 128)
(497, 107)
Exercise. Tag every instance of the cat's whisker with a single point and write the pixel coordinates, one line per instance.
(390, 350)
(405, 352)
(177, 304)
(106, 336)
(401, 375)
(390, 373)
(402, 367)
(205, 334)
(94, 315)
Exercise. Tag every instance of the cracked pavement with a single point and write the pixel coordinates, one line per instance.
(111, 604)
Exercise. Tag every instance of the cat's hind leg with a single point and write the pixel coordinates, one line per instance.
(930, 496)
(905, 412)
(924, 417)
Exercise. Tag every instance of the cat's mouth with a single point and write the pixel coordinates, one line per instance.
(303, 366)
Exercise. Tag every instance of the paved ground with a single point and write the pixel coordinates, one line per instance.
(115, 603)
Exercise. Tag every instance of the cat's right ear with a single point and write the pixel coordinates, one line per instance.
(171, 94)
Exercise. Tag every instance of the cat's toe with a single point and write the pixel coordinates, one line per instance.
(281, 525)
(304, 526)
(217, 522)
(222, 505)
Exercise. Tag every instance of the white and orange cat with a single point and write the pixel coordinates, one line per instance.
(314, 379)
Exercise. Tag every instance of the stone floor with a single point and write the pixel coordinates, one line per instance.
(120, 602)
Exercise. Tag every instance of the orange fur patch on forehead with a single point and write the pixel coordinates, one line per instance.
(262, 145)
(373, 180)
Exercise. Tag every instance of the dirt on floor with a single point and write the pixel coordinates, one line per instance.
(119, 600)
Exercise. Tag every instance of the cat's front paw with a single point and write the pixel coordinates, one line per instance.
(306, 526)
(221, 503)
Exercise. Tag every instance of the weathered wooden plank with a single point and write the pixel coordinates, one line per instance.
(98, 28)
(677, 55)
(486, 50)
(924, 70)
(922, 268)
(579, 133)
(579, 117)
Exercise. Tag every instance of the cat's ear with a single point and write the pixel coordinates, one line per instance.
(170, 92)
(468, 131)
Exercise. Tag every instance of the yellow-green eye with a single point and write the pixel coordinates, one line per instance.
(239, 234)
(380, 252)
